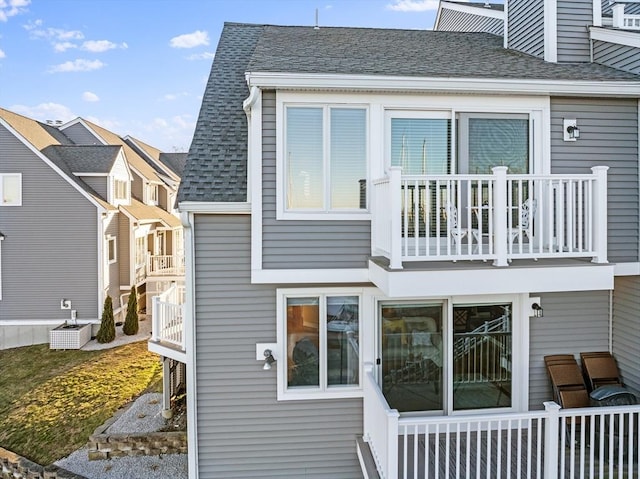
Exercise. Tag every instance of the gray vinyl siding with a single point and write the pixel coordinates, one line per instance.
(526, 26)
(303, 244)
(608, 136)
(572, 322)
(50, 246)
(454, 21)
(626, 328)
(99, 184)
(622, 57)
(574, 17)
(243, 431)
(80, 135)
(124, 249)
(111, 229)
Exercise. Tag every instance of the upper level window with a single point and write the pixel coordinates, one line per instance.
(325, 159)
(421, 142)
(11, 189)
(111, 249)
(153, 194)
(121, 189)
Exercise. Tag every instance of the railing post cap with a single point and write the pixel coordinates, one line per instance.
(551, 406)
(599, 168)
(500, 169)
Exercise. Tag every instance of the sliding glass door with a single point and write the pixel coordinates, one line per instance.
(435, 357)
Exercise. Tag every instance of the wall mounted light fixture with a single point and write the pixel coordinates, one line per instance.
(268, 359)
(537, 310)
(570, 132)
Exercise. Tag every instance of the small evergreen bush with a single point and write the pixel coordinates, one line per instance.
(131, 322)
(107, 331)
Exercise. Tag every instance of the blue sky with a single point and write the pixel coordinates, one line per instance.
(139, 67)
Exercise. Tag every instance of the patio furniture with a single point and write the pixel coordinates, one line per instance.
(568, 385)
(600, 369)
(526, 211)
(456, 232)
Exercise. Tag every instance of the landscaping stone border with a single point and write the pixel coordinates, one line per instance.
(13, 466)
(104, 445)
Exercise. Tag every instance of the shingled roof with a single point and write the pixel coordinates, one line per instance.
(85, 158)
(216, 169)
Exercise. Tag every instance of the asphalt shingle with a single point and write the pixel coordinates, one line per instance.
(216, 168)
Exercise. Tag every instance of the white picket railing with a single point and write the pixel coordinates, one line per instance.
(165, 265)
(168, 317)
(495, 217)
(597, 442)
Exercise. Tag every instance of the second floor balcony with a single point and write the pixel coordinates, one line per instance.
(497, 217)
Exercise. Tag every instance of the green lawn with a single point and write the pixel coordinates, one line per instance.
(52, 401)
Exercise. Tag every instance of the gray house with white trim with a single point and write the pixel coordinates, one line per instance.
(387, 230)
(82, 216)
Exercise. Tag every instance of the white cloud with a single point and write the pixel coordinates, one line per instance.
(90, 96)
(36, 30)
(201, 56)
(97, 46)
(413, 5)
(64, 46)
(190, 40)
(2, 54)
(79, 65)
(11, 8)
(45, 111)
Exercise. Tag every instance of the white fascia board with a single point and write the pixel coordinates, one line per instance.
(309, 276)
(53, 166)
(479, 11)
(80, 173)
(158, 163)
(326, 81)
(491, 280)
(627, 269)
(620, 37)
(215, 208)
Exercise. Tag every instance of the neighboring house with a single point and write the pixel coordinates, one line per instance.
(407, 222)
(470, 17)
(83, 216)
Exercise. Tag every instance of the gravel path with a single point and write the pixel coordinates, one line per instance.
(144, 415)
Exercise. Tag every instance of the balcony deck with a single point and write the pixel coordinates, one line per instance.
(496, 217)
(596, 442)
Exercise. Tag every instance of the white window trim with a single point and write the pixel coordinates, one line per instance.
(109, 239)
(17, 175)
(282, 103)
(321, 392)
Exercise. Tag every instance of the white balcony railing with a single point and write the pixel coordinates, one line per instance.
(598, 442)
(159, 265)
(495, 217)
(624, 20)
(168, 317)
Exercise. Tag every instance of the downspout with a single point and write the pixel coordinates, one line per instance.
(186, 219)
(247, 105)
(611, 321)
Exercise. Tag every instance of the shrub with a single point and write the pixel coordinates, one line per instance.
(107, 331)
(131, 321)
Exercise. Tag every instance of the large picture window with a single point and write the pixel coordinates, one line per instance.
(11, 189)
(325, 159)
(322, 338)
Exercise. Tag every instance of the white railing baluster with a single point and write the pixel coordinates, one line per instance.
(412, 218)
